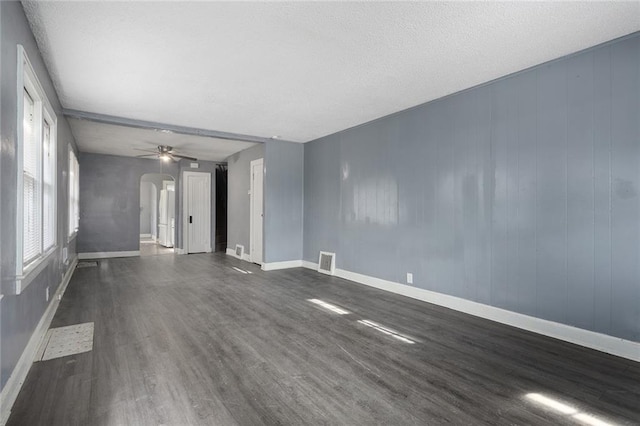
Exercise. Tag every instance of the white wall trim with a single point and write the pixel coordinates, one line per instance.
(273, 266)
(145, 235)
(14, 384)
(108, 254)
(309, 265)
(252, 207)
(590, 339)
(22, 281)
(180, 251)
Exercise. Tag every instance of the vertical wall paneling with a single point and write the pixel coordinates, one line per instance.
(520, 194)
(580, 199)
(283, 201)
(602, 190)
(625, 197)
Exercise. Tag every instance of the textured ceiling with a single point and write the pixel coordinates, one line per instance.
(111, 139)
(299, 70)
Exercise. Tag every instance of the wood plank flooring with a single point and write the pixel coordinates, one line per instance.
(188, 340)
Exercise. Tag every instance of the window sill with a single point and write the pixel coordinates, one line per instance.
(33, 270)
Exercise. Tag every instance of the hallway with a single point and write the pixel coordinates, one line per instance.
(149, 247)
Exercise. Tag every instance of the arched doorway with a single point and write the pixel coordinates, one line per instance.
(157, 214)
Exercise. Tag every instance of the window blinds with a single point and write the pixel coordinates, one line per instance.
(31, 182)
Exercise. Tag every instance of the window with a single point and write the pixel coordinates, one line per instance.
(74, 193)
(36, 170)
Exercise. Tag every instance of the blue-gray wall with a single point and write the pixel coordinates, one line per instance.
(520, 194)
(283, 201)
(19, 314)
(146, 206)
(238, 205)
(110, 200)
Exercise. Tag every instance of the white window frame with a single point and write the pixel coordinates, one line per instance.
(74, 195)
(27, 80)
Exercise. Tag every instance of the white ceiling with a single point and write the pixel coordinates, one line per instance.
(299, 70)
(112, 139)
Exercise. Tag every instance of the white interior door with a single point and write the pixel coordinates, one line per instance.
(197, 212)
(256, 216)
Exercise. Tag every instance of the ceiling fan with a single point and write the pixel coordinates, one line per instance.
(165, 153)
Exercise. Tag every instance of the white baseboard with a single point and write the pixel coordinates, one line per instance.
(231, 252)
(145, 235)
(273, 266)
(12, 387)
(309, 265)
(108, 254)
(590, 339)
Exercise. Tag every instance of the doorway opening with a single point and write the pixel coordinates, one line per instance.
(221, 207)
(157, 214)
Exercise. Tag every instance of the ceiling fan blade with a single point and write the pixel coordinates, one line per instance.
(146, 155)
(146, 150)
(184, 157)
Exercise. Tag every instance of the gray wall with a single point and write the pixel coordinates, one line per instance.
(238, 196)
(520, 194)
(146, 206)
(283, 201)
(110, 200)
(20, 314)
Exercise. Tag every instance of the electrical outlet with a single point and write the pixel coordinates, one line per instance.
(47, 294)
(409, 278)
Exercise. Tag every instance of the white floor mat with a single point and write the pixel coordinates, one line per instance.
(65, 341)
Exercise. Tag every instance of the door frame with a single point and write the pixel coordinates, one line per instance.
(185, 203)
(260, 162)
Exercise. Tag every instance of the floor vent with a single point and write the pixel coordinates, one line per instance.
(87, 264)
(327, 263)
(239, 251)
(65, 341)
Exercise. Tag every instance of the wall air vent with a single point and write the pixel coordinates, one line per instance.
(327, 263)
(239, 251)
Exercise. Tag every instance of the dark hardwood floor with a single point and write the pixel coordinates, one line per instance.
(188, 340)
